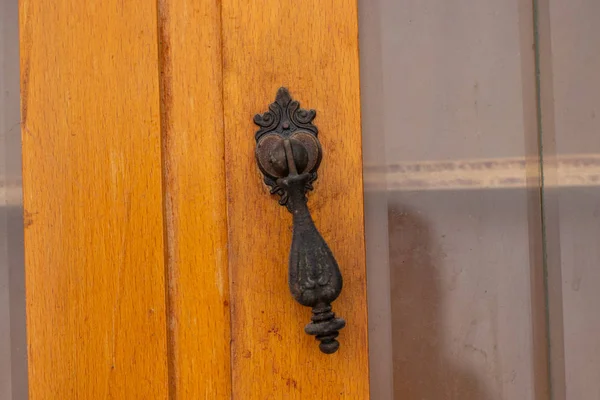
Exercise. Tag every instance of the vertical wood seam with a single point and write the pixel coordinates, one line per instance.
(165, 103)
(229, 275)
(362, 184)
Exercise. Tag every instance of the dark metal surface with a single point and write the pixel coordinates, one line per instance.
(288, 154)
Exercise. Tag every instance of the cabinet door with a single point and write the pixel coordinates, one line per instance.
(156, 260)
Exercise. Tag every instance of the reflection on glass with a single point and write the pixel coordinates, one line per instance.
(570, 120)
(13, 364)
(481, 285)
(452, 200)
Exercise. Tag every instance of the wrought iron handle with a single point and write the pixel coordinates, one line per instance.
(288, 154)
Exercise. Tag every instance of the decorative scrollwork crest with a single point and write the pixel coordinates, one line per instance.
(286, 119)
(285, 116)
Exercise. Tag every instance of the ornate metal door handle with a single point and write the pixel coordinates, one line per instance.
(288, 154)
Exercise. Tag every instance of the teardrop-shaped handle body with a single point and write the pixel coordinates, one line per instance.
(314, 276)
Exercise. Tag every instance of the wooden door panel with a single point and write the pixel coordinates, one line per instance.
(310, 47)
(93, 200)
(195, 202)
(146, 215)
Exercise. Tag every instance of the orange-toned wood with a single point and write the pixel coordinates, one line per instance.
(195, 201)
(93, 200)
(309, 46)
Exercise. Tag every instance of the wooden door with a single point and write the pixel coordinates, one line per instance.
(156, 261)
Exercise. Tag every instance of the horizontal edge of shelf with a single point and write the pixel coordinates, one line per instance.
(501, 173)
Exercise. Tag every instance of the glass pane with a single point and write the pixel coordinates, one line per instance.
(570, 119)
(13, 350)
(453, 213)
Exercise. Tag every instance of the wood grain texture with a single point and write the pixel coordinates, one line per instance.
(195, 201)
(93, 200)
(311, 47)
